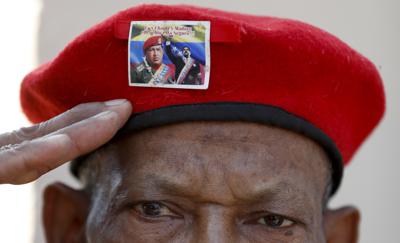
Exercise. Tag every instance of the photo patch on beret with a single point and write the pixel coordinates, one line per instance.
(169, 54)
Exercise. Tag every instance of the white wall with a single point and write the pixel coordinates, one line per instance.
(18, 29)
(370, 26)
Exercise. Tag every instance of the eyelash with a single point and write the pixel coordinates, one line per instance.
(143, 209)
(284, 222)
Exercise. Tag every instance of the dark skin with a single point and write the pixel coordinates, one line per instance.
(29, 152)
(201, 182)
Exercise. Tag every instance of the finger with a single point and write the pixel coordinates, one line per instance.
(31, 159)
(27, 161)
(67, 118)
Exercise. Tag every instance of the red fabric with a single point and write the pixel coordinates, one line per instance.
(222, 32)
(279, 62)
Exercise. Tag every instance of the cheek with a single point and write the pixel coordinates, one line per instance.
(150, 53)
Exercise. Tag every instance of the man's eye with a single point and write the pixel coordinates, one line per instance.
(275, 221)
(153, 210)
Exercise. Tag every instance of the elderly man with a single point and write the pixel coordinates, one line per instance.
(152, 70)
(251, 159)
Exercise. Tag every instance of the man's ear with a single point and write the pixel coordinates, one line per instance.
(341, 225)
(64, 214)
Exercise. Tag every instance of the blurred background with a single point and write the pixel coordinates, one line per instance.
(34, 31)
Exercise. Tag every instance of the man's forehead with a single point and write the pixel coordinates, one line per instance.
(222, 131)
(239, 146)
(178, 160)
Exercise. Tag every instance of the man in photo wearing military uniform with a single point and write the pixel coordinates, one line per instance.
(152, 70)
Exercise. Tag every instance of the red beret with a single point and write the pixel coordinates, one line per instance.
(263, 69)
(152, 41)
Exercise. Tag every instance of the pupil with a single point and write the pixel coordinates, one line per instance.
(274, 220)
(151, 209)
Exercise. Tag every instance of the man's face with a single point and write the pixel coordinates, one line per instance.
(186, 51)
(154, 55)
(209, 182)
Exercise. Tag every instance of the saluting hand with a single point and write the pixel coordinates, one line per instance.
(166, 37)
(28, 153)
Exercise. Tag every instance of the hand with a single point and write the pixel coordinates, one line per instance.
(28, 153)
(166, 37)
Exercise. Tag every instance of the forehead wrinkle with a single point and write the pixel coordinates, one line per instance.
(175, 187)
(272, 190)
(150, 184)
(211, 132)
(276, 185)
(281, 197)
(170, 174)
(159, 139)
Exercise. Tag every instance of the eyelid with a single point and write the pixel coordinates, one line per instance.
(174, 213)
(285, 224)
(256, 216)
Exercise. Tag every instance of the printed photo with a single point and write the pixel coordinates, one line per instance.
(169, 54)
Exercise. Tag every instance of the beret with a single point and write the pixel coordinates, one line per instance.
(263, 69)
(152, 41)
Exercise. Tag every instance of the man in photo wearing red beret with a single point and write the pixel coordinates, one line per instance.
(251, 159)
(152, 70)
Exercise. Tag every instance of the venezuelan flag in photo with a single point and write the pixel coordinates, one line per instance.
(189, 35)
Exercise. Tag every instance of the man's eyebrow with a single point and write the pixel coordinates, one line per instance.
(172, 186)
(270, 190)
(283, 197)
(281, 193)
(275, 191)
(280, 197)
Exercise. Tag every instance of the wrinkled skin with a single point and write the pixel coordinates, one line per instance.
(29, 152)
(201, 182)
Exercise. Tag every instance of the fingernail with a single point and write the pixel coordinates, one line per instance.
(54, 138)
(104, 114)
(115, 102)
